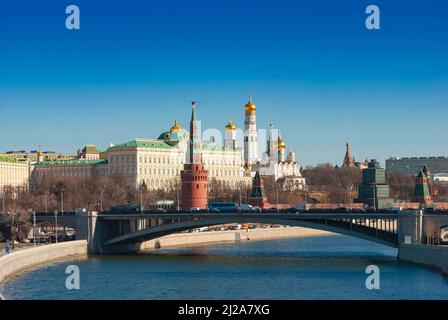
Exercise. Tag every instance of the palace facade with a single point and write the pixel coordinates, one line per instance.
(14, 172)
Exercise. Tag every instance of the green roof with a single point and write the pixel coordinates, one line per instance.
(70, 162)
(9, 159)
(151, 144)
(215, 147)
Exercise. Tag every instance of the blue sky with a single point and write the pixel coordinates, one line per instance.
(312, 68)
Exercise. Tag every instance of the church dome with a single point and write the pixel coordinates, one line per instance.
(230, 126)
(250, 107)
(176, 126)
(281, 145)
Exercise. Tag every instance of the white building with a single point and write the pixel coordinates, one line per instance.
(14, 172)
(285, 170)
(156, 162)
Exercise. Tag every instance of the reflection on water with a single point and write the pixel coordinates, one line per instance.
(328, 267)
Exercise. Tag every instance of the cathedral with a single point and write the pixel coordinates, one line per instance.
(274, 163)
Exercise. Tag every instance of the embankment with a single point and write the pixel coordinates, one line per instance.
(213, 237)
(424, 255)
(23, 259)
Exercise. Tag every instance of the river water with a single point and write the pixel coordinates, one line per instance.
(327, 267)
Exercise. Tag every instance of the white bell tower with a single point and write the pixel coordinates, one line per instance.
(250, 133)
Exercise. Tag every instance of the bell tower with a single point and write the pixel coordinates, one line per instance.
(250, 133)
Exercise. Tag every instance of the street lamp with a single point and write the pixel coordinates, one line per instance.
(240, 192)
(178, 198)
(141, 198)
(374, 198)
(56, 226)
(13, 230)
(46, 201)
(101, 200)
(277, 195)
(62, 200)
(34, 227)
(3, 204)
(350, 188)
(61, 191)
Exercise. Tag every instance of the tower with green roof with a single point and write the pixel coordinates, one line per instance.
(421, 190)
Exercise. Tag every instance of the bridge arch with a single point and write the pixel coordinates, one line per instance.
(167, 229)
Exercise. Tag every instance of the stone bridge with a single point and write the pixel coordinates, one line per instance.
(120, 233)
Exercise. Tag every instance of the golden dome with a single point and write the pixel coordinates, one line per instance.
(281, 145)
(176, 126)
(250, 107)
(230, 126)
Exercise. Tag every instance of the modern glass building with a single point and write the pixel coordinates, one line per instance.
(374, 191)
(413, 165)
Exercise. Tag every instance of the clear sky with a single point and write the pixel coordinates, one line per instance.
(312, 68)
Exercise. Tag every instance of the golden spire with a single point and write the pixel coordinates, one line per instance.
(230, 126)
(176, 126)
(250, 107)
(281, 145)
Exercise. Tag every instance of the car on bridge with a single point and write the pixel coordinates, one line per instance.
(126, 209)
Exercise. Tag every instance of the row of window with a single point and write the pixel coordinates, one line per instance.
(169, 160)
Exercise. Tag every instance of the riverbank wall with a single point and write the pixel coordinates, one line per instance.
(214, 237)
(424, 255)
(23, 259)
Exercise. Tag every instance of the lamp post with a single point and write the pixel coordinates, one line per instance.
(277, 196)
(177, 195)
(46, 201)
(62, 200)
(34, 227)
(3, 203)
(101, 200)
(141, 198)
(55, 226)
(350, 188)
(13, 231)
(374, 198)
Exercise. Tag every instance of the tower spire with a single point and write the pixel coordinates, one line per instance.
(348, 161)
(193, 110)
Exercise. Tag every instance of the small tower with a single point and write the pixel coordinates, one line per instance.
(291, 157)
(40, 156)
(281, 146)
(258, 197)
(194, 176)
(348, 161)
(250, 133)
(230, 136)
(422, 193)
(271, 143)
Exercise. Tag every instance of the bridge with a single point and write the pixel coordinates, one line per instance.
(124, 232)
(116, 233)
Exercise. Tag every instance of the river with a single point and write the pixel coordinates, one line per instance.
(325, 267)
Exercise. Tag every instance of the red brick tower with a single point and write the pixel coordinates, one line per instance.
(194, 176)
(257, 197)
